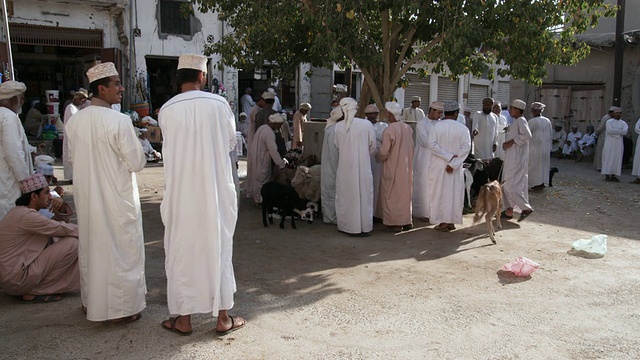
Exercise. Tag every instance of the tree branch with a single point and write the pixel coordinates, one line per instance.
(417, 57)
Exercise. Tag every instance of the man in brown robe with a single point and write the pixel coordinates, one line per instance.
(38, 256)
(396, 156)
(263, 150)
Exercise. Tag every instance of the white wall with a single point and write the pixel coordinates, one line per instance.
(631, 19)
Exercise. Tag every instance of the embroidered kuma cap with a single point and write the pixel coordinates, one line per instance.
(33, 183)
(101, 71)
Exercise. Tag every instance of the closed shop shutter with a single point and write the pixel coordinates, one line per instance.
(476, 94)
(503, 93)
(27, 34)
(417, 87)
(447, 89)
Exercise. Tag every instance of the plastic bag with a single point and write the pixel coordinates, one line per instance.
(597, 245)
(521, 266)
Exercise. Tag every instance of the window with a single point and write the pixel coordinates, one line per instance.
(173, 19)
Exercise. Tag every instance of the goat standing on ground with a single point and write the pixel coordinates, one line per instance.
(489, 204)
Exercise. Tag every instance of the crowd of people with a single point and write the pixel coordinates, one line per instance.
(42, 256)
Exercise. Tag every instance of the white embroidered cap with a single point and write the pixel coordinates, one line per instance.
(193, 61)
(101, 71)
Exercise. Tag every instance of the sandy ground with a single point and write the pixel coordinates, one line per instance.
(313, 293)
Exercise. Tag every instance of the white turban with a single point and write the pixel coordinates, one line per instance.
(519, 104)
(340, 88)
(334, 116)
(537, 106)
(277, 118)
(395, 109)
(349, 108)
(11, 88)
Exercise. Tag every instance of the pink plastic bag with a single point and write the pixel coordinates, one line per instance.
(521, 266)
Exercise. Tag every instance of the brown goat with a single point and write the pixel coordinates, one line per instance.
(489, 204)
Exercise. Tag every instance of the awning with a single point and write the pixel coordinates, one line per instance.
(27, 34)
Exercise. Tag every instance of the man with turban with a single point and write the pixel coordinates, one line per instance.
(422, 158)
(329, 167)
(450, 143)
(246, 101)
(299, 118)
(15, 152)
(356, 141)
(515, 174)
(371, 113)
(198, 125)
(262, 151)
(540, 147)
(105, 154)
(38, 255)
(396, 155)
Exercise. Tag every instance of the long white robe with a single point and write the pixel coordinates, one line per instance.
(15, 159)
(540, 150)
(200, 206)
(263, 151)
(328, 169)
(613, 147)
(105, 152)
(246, 101)
(411, 114)
(502, 124)
(601, 132)
(376, 168)
(422, 157)
(515, 173)
(69, 111)
(636, 158)
(354, 181)
(448, 138)
(572, 138)
(558, 139)
(587, 142)
(487, 137)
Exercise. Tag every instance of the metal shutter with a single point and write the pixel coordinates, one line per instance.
(447, 89)
(476, 94)
(503, 92)
(417, 87)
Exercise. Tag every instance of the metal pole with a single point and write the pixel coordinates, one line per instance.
(619, 54)
(6, 30)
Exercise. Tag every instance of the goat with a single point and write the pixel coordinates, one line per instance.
(489, 204)
(552, 172)
(282, 197)
(307, 183)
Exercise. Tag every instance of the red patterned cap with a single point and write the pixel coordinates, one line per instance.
(33, 183)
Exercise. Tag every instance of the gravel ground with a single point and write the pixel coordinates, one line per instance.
(313, 293)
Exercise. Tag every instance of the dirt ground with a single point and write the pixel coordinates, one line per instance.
(313, 293)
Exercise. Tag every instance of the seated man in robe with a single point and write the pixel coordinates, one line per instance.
(149, 152)
(558, 139)
(57, 210)
(38, 256)
(571, 147)
(587, 144)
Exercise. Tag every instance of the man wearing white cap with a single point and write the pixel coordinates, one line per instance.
(262, 151)
(15, 152)
(277, 106)
(540, 147)
(601, 133)
(587, 143)
(502, 125)
(243, 124)
(246, 101)
(450, 145)
(613, 149)
(515, 174)
(77, 103)
(105, 153)
(200, 126)
(262, 116)
(485, 131)
(396, 155)
(38, 255)
(329, 167)
(558, 139)
(571, 147)
(413, 113)
(422, 158)
(356, 141)
(371, 112)
(299, 118)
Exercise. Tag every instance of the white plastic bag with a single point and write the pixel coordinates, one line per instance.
(521, 266)
(597, 245)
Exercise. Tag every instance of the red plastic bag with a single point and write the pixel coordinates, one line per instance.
(521, 266)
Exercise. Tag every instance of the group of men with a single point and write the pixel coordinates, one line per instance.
(104, 254)
(371, 170)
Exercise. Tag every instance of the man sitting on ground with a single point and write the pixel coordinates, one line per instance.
(558, 139)
(149, 152)
(38, 256)
(587, 143)
(571, 147)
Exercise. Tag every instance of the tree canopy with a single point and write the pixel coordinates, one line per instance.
(387, 38)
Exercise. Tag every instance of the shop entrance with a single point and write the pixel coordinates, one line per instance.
(162, 77)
